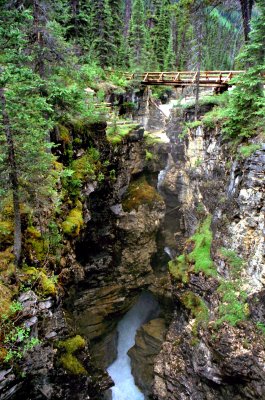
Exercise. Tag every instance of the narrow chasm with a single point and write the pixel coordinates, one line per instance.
(145, 309)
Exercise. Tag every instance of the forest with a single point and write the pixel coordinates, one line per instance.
(61, 62)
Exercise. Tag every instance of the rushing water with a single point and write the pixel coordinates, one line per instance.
(145, 309)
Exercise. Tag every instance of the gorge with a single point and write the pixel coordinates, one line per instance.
(132, 231)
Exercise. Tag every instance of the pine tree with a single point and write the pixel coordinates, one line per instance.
(162, 31)
(246, 109)
(23, 121)
(137, 33)
(170, 58)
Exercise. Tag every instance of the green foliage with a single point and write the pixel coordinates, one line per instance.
(140, 192)
(37, 277)
(235, 262)
(193, 124)
(199, 260)
(179, 268)
(248, 150)
(201, 255)
(197, 307)
(148, 155)
(261, 327)
(116, 133)
(16, 337)
(233, 307)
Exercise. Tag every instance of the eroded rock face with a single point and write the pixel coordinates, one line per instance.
(41, 375)
(148, 342)
(209, 359)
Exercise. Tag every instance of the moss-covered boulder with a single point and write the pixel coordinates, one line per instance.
(74, 221)
(140, 192)
(68, 360)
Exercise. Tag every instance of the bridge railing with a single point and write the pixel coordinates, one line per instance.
(210, 78)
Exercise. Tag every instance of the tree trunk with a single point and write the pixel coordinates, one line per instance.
(246, 10)
(38, 20)
(13, 179)
(75, 11)
(128, 12)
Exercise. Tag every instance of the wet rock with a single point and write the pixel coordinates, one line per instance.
(148, 342)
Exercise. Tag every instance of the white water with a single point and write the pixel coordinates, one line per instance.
(145, 309)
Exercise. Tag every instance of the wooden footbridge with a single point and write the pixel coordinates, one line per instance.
(220, 80)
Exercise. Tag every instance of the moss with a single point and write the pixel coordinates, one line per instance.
(72, 344)
(6, 232)
(151, 139)
(197, 307)
(179, 269)
(73, 222)
(140, 192)
(235, 262)
(48, 287)
(5, 299)
(3, 354)
(33, 232)
(116, 133)
(247, 151)
(64, 133)
(46, 284)
(72, 364)
(148, 155)
(233, 307)
(199, 260)
(201, 255)
(83, 167)
(7, 266)
(68, 360)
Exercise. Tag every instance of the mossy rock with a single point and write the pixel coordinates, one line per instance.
(72, 364)
(64, 134)
(68, 360)
(5, 299)
(179, 268)
(73, 222)
(140, 192)
(201, 254)
(46, 284)
(197, 307)
(72, 344)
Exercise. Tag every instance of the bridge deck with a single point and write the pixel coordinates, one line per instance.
(185, 78)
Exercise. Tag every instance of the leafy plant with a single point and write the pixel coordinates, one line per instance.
(15, 336)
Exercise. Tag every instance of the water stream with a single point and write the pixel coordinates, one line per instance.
(145, 309)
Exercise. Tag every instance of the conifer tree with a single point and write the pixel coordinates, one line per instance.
(246, 109)
(170, 58)
(137, 33)
(162, 31)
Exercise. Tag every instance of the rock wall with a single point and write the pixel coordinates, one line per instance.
(214, 348)
(101, 272)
